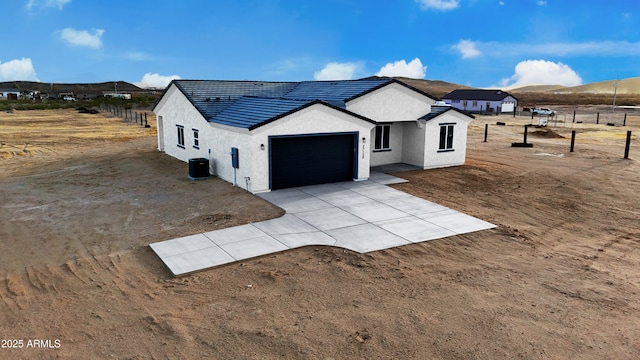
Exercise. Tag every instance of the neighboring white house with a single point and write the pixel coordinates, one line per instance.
(7, 93)
(481, 101)
(288, 134)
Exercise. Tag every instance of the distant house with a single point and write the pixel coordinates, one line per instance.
(9, 94)
(115, 95)
(274, 135)
(68, 94)
(481, 101)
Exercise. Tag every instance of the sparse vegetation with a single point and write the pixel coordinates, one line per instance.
(137, 102)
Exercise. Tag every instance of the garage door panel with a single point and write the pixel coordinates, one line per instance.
(308, 160)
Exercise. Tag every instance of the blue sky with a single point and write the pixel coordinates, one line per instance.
(480, 43)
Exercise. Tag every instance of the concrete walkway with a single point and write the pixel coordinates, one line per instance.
(360, 216)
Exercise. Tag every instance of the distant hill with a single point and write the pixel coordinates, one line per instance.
(435, 88)
(625, 86)
(97, 88)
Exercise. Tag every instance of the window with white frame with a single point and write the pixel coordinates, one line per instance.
(196, 138)
(381, 141)
(446, 137)
(180, 129)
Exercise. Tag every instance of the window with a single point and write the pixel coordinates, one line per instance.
(446, 137)
(381, 142)
(180, 136)
(475, 104)
(196, 139)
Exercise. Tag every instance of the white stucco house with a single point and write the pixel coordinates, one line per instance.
(481, 100)
(274, 135)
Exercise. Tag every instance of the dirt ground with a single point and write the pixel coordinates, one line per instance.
(81, 197)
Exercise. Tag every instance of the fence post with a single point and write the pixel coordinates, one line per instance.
(573, 140)
(624, 122)
(598, 118)
(627, 145)
(574, 116)
(486, 129)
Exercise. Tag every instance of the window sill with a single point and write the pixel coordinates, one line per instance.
(446, 150)
(381, 150)
(181, 146)
(196, 147)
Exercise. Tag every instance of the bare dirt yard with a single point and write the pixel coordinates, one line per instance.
(82, 195)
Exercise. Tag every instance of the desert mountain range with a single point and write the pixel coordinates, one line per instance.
(437, 88)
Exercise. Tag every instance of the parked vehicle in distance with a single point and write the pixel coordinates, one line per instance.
(69, 98)
(543, 111)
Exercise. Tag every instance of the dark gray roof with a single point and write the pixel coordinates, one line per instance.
(477, 94)
(248, 104)
(335, 90)
(439, 110)
(248, 112)
(212, 96)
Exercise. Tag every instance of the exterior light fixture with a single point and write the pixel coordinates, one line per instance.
(261, 146)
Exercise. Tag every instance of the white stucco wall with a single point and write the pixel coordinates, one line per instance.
(393, 102)
(400, 106)
(220, 140)
(316, 119)
(175, 109)
(394, 155)
(215, 140)
(434, 158)
(413, 143)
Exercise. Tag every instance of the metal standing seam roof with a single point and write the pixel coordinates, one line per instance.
(477, 94)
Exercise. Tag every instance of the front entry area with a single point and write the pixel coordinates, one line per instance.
(303, 160)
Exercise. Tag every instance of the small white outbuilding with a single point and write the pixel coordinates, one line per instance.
(274, 135)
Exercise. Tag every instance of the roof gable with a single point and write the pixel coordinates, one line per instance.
(439, 110)
(477, 94)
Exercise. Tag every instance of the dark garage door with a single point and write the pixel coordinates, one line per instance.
(309, 160)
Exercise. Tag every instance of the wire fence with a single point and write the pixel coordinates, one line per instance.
(575, 117)
(126, 114)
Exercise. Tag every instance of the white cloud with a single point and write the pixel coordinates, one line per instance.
(336, 71)
(15, 70)
(541, 72)
(501, 3)
(31, 4)
(82, 37)
(568, 49)
(413, 69)
(442, 5)
(150, 80)
(467, 48)
(541, 3)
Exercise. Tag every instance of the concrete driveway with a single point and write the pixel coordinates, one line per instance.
(360, 216)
